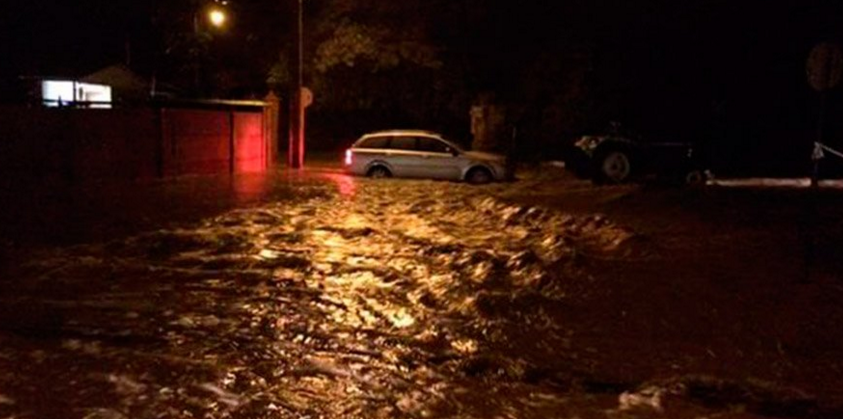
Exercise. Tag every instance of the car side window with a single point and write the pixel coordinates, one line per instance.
(404, 143)
(375, 142)
(432, 145)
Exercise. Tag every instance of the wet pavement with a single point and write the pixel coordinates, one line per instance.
(312, 296)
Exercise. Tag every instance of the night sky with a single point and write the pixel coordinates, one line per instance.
(715, 36)
(53, 37)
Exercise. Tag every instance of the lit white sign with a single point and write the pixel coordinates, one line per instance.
(59, 93)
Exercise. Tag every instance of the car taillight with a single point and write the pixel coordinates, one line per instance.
(349, 156)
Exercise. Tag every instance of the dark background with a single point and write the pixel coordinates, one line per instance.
(729, 75)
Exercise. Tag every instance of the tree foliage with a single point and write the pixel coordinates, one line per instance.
(382, 59)
(376, 46)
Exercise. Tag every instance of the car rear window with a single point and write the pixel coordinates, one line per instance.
(403, 143)
(374, 142)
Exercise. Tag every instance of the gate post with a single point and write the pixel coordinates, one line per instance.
(271, 118)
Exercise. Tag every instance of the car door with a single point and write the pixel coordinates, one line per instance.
(369, 151)
(403, 157)
(437, 159)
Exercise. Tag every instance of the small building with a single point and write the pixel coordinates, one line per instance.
(114, 85)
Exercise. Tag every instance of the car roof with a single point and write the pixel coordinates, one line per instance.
(402, 132)
(406, 132)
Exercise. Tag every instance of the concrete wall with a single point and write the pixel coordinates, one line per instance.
(142, 143)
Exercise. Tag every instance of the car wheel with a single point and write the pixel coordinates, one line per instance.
(695, 178)
(478, 176)
(614, 166)
(379, 172)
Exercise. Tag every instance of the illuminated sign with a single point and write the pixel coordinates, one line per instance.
(57, 93)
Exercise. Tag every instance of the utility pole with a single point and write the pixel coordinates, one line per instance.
(295, 156)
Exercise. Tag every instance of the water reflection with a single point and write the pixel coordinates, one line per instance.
(346, 185)
(250, 187)
(414, 299)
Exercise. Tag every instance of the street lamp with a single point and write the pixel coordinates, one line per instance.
(217, 17)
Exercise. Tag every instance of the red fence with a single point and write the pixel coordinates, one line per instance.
(140, 143)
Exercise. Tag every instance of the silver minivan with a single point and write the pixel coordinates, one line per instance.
(421, 154)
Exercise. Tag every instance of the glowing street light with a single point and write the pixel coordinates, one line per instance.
(217, 17)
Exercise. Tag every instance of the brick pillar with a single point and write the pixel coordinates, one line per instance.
(271, 119)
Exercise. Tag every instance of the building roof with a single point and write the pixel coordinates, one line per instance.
(119, 77)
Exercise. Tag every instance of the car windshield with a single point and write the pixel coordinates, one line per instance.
(434, 145)
(453, 146)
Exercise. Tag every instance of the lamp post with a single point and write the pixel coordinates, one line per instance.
(295, 155)
(216, 17)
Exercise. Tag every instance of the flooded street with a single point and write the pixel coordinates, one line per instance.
(352, 298)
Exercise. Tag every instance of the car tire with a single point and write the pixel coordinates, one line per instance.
(478, 176)
(379, 172)
(613, 166)
(695, 178)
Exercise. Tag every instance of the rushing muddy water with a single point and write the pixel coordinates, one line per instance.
(360, 299)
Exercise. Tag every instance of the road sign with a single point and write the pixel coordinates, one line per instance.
(306, 97)
(824, 67)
